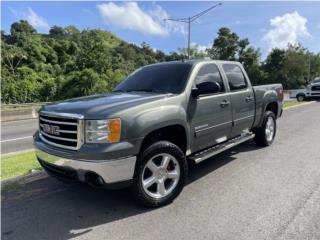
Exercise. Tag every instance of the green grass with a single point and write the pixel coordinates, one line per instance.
(19, 164)
(293, 103)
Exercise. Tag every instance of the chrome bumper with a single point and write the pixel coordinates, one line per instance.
(111, 171)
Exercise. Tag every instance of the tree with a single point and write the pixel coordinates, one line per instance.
(195, 53)
(56, 31)
(225, 46)
(274, 65)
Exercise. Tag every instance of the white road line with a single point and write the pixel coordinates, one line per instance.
(15, 139)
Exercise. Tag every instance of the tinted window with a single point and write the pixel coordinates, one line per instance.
(159, 78)
(209, 73)
(235, 77)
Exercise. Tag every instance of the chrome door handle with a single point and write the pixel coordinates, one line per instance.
(224, 103)
(249, 99)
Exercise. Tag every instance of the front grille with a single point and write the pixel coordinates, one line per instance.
(315, 88)
(315, 94)
(61, 131)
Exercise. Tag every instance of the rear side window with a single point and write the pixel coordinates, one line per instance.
(235, 77)
(209, 73)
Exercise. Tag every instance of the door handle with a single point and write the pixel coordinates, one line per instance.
(249, 99)
(224, 103)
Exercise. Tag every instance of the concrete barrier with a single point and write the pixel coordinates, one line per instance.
(18, 114)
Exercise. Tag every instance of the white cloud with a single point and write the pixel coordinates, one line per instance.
(129, 15)
(36, 21)
(199, 47)
(14, 12)
(288, 28)
(87, 11)
(159, 14)
(32, 17)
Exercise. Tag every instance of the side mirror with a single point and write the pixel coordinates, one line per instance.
(205, 88)
(195, 92)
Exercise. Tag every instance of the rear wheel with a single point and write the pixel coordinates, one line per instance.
(160, 174)
(264, 136)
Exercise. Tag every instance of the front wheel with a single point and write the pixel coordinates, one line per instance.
(265, 134)
(160, 174)
(301, 97)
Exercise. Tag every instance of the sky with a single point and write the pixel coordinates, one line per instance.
(265, 24)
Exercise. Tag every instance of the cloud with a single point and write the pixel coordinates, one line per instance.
(199, 47)
(14, 12)
(32, 17)
(129, 15)
(87, 11)
(36, 21)
(288, 28)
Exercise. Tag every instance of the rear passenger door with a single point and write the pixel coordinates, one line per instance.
(242, 98)
(211, 119)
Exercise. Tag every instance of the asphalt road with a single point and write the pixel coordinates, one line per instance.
(17, 135)
(245, 193)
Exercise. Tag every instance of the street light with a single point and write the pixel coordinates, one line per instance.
(189, 20)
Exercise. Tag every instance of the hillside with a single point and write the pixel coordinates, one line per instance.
(66, 62)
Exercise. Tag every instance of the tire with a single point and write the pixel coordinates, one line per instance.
(264, 135)
(301, 97)
(161, 166)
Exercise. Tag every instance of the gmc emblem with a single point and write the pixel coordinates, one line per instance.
(54, 130)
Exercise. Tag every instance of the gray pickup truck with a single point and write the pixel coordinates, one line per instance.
(160, 118)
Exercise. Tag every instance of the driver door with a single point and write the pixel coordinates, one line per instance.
(211, 115)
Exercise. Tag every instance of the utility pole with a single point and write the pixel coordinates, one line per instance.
(189, 20)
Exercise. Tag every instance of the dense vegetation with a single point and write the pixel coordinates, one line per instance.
(69, 63)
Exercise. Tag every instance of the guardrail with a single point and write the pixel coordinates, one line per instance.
(20, 111)
(23, 104)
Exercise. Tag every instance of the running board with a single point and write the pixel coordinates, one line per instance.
(216, 149)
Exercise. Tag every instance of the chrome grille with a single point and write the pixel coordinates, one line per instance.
(61, 129)
(315, 88)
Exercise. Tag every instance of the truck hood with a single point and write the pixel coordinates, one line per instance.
(100, 106)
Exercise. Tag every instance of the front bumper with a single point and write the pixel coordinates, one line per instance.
(111, 171)
(114, 165)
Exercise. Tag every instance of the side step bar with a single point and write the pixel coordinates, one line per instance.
(216, 149)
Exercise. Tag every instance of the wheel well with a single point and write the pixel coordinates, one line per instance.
(174, 133)
(273, 107)
(301, 94)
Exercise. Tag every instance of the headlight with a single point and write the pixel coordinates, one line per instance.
(103, 131)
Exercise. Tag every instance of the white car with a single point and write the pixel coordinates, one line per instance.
(311, 91)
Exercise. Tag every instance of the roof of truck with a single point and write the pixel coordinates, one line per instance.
(195, 61)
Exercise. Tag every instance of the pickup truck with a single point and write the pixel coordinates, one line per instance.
(158, 120)
(311, 91)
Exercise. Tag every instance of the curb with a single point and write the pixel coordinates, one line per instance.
(35, 175)
(17, 152)
(303, 104)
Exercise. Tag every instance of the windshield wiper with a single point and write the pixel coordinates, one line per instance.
(142, 90)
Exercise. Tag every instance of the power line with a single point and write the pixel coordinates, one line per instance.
(191, 19)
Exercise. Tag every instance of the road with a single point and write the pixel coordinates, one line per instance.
(245, 193)
(17, 135)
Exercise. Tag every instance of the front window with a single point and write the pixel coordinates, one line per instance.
(157, 78)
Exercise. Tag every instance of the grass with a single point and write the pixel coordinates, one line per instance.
(19, 164)
(291, 104)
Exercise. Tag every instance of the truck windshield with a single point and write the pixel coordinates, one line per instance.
(316, 81)
(158, 78)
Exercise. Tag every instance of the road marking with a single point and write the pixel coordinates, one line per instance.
(15, 139)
